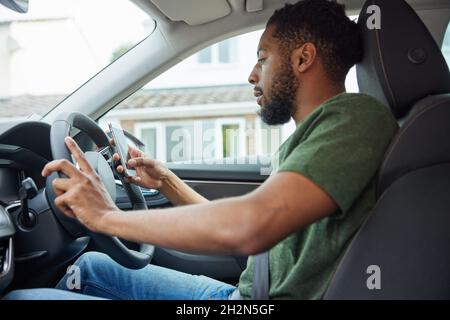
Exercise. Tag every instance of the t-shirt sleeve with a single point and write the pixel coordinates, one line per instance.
(342, 154)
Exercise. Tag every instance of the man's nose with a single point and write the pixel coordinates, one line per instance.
(253, 77)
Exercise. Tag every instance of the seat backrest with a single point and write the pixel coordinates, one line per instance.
(402, 63)
(403, 249)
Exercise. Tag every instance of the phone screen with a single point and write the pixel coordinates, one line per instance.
(121, 147)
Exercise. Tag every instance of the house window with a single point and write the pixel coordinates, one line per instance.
(190, 141)
(230, 138)
(148, 136)
(225, 52)
(179, 142)
(220, 53)
(205, 56)
(153, 136)
(229, 143)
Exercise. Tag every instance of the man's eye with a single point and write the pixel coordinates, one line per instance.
(261, 60)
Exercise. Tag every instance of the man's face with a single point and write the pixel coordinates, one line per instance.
(274, 81)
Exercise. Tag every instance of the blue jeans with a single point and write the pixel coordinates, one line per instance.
(101, 277)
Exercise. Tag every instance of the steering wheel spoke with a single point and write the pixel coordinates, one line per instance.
(103, 163)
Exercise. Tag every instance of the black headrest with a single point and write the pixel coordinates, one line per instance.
(402, 63)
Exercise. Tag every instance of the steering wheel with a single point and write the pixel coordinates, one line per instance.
(108, 244)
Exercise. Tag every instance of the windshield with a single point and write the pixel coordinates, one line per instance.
(58, 45)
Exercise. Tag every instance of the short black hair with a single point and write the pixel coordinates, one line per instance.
(325, 24)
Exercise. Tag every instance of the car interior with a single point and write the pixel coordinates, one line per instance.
(403, 67)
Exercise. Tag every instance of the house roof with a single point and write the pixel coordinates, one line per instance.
(187, 96)
(26, 105)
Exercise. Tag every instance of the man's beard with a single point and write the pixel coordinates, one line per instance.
(281, 105)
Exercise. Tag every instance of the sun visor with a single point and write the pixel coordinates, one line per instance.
(193, 12)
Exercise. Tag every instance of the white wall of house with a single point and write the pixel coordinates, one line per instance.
(5, 59)
(60, 44)
(44, 62)
(242, 56)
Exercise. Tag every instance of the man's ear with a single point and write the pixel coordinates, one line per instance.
(304, 57)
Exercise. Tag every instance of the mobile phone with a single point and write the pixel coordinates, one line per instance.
(121, 147)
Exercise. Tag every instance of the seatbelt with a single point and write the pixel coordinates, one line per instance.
(260, 286)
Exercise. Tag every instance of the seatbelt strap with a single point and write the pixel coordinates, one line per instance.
(260, 286)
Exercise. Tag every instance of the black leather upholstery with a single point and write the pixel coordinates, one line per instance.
(407, 234)
(408, 237)
(422, 141)
(388, 71)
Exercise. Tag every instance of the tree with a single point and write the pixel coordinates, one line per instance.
(120, 51)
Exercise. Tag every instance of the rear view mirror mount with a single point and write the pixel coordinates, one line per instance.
(20, 6)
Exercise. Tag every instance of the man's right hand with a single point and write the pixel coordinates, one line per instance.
(153, 174)
(150, 173)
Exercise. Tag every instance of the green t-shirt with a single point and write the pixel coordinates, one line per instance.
(339, 147)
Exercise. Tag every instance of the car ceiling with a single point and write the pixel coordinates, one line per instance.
(197, 12)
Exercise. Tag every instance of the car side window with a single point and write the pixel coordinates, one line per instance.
(203, 108)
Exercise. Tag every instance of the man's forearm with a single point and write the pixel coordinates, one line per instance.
(224, 226)
(179, 193)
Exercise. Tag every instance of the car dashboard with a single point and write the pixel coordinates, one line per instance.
(39, 253)
(24, 150)
(7, 231)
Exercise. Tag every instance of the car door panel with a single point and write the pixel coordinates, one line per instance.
(212, 182)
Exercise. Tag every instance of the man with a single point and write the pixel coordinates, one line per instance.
(306, 213)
